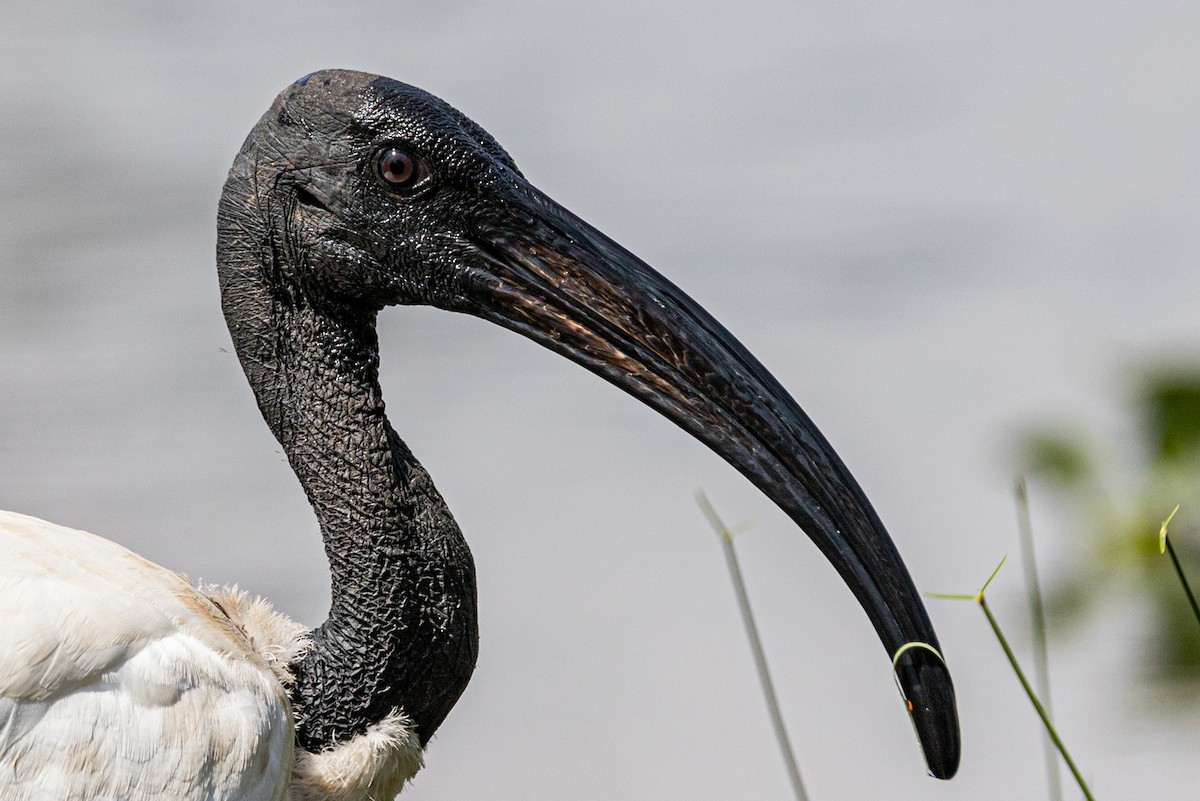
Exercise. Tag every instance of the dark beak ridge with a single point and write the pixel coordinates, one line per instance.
(550, 276)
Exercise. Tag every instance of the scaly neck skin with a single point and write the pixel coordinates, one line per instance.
(402, 627)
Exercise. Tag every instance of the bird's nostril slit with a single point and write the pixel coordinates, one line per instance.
(307, 198)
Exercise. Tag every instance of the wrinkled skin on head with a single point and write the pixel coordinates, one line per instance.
(316, 236)
(352, 236)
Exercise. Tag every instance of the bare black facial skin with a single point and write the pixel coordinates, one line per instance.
(356, 192)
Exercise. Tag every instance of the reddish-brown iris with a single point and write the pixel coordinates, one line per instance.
(399, 168)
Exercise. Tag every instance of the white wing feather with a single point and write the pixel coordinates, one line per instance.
(119, 680)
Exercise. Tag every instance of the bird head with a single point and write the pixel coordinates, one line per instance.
(368, 192)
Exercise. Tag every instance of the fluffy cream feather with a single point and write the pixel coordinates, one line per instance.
(120, 681)
(373, 766)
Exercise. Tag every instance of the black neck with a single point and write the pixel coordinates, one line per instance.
(402, 630)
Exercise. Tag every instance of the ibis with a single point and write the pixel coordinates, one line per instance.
(119, 679)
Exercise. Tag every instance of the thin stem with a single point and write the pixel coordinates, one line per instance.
(1041, 710)
(1183, 580)
(1012, 660)
(1165, 543)
(760, 657)
(1037, 622)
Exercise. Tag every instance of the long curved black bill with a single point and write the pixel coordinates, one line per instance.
(555, 279)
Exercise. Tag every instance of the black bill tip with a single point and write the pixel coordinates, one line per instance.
(924, 682)
(545, 273)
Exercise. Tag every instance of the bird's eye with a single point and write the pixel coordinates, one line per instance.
(399, 168)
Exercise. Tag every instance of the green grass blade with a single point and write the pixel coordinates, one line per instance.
(1037, 623)
(1029, 691)
(760, 657)
(1041, 710)
(1164, 543)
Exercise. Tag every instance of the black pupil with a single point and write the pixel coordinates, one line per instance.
(397, 167)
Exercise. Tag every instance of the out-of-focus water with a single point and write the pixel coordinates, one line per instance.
(934, 222)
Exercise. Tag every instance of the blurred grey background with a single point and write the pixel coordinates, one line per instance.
(937, 223)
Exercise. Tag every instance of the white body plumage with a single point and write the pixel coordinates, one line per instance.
(120, 681)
